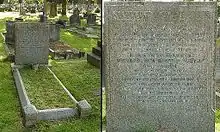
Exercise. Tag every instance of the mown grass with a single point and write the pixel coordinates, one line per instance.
(81, 79)
(10, 114)
(82, 44)
(43, 90)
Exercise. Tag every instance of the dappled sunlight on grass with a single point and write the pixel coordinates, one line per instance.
(217, 127)
(75, 41)
(68, 33)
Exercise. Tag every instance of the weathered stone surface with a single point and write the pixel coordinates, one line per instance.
(159, 66)
(31, 43)
(84, 108)
(30, 115)
(54, 32)
(57, 114)
(75, 19)
(91, 20)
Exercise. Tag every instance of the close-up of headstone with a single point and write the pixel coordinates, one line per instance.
(159, 61)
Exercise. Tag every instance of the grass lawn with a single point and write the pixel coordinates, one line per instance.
(43, 90)
(83, 83)
(82, 44)
(81, 80)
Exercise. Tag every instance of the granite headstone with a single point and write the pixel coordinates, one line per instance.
(75, 18)
(31, 43)
(54, 32)
(9, 37)
(159, 66)
(91, 19)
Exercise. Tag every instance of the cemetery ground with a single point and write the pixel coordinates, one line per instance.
(81, 78)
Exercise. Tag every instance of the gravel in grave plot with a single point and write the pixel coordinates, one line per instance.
(43, 89)
(59, 46)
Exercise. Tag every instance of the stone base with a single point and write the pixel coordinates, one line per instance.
(84, 108)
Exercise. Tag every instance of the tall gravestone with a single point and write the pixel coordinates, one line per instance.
(31, 43)
(9, 37)
(54, 32)
(159, 66)
(75, 18)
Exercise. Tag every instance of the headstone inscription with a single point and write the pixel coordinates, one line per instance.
(159, 66)
(31, 43)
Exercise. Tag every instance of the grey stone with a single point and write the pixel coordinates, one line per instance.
(9, 37)
(159, 66)
(24, 100)
(57, 114)
(91, 19)
(30, 115)
(54, 32)
(84, 108)
(75, 19)
(31, 43)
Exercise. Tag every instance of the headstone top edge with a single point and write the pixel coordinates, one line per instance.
(205, 3)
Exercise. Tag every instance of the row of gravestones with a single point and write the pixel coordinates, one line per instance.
(31, 41)
(54, 32)
(75, 18)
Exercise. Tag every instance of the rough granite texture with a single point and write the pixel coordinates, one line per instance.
(91, 20)
(30, 115)
(31, 43)
(54, 32)
(75, 18)
(159, 66)
(9, 38)
(84, 108)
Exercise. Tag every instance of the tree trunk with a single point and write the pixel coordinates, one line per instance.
(64, 4)
(53, 9)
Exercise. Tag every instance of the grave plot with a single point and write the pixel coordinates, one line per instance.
(87, 32)
(42, 95)
(44, 90)
(60, 50)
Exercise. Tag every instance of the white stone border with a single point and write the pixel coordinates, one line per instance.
(31, 115)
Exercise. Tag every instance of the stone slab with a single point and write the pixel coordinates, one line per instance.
(159, 66)
(57, 114)
(31, 43)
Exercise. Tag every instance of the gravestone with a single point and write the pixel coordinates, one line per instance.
(31, 43)
(75, 18)
(9, 37)
(91, 19)
(159, 66)
(54, 32)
